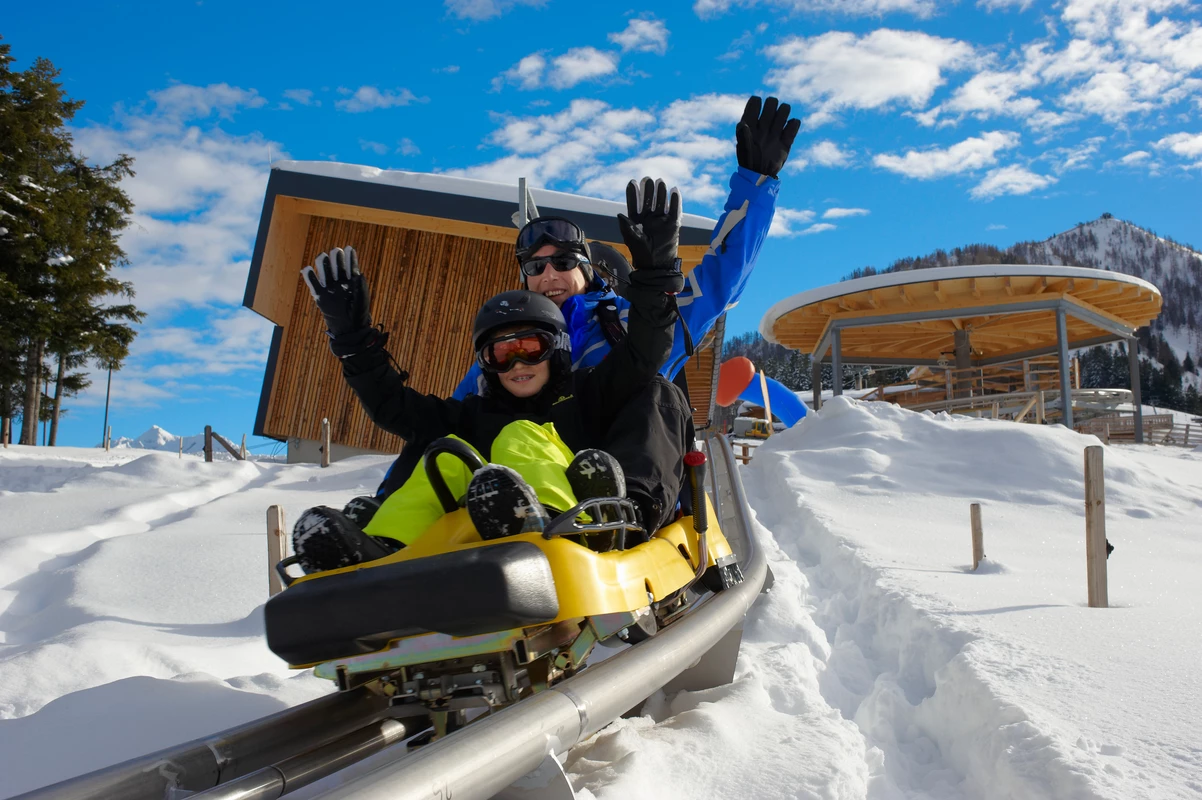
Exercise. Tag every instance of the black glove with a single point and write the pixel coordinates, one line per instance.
(340, 291)
(763, 138)
(652, 231)
(662, 280)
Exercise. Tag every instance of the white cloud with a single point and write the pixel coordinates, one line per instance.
(1186, 145)
(484, 9)
(1077, 156)
(1013, 179)
(593, 148)
(828, 154)
(379, 148)
(818, 227)
(1004, 5)
(182, 100)
(788, 221)
(369, 98)
(526, 74)
(198, 193)
(840, 213)
(565, 71)
(851, 8)
(995, 227)
(303, 97)
(642, 35)
(702, 113)
(581, 64)
(1135, 157)
(971, 154)
(406, 147)
(882, 69)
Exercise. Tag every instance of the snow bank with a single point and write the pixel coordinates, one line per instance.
(1001, 678)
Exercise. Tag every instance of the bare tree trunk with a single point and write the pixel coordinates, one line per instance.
(33, 392)
(58, 402)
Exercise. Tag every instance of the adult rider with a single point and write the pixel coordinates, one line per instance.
(554, 258)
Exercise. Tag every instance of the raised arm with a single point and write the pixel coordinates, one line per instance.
(764, 136)
(344, 300)
(652, 233)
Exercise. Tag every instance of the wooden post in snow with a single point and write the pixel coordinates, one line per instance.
(277, 545)
(208, 444)
(997, 410)
(978, 535)
(325, 441)
(1095, 527)
(242, 449)
(1040, 408)
(181, 447)
(108, 437)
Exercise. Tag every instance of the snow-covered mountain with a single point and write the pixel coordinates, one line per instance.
(155, 438)
(1109, 243)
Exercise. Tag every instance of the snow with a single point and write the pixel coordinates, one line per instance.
(472, 187)
(156, 438)
(878, 667)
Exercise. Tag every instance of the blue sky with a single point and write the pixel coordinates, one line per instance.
(927, 124)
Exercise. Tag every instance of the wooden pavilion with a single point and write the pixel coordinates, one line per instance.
(433, 247)
(973, 316)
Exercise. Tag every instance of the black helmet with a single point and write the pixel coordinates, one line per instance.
(612, 266)
(520, 307)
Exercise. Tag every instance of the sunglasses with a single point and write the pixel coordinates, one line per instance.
(561, 263)
(548, 230)
(529, 347)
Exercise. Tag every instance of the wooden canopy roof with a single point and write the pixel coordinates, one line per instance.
(1009, 311)
(433, 247)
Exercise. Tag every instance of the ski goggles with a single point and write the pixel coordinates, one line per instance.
(529, 347)
(565, 262)
(549, 230)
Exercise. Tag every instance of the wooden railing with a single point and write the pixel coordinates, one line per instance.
(1121, 428)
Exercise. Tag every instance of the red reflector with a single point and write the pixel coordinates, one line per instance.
(694, 458)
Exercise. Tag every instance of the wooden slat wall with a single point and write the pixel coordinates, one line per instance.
(426, 288)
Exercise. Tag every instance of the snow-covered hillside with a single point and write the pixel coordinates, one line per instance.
(1109, 243)
(878, 667)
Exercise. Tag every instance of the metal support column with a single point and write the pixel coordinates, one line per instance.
(1066, 383)
(837, 361)
(1136, 395)
(963, 350)
(816, 380)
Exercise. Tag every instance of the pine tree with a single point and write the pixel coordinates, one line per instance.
(58, 247)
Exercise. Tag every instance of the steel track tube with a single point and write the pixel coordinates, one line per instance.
(300, 770)
(490, 754)
(207, 762)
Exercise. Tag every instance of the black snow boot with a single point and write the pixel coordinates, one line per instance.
(595, 473)
(360, 510)
(325, 539)
(500, 503)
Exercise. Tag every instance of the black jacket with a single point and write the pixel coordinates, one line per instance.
(582, 404)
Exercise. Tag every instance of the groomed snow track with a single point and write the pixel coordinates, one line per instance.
(268, 758)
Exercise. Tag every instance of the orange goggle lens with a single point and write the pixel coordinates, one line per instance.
(529, 347)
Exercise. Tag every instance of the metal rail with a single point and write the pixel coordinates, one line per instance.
(492, 753)
(207, 762)
(269, 757)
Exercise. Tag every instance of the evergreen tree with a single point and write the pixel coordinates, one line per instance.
(58, 245)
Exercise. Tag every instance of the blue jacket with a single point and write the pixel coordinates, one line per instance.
(713, 286)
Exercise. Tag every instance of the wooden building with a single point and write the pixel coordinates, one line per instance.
(433, 248)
